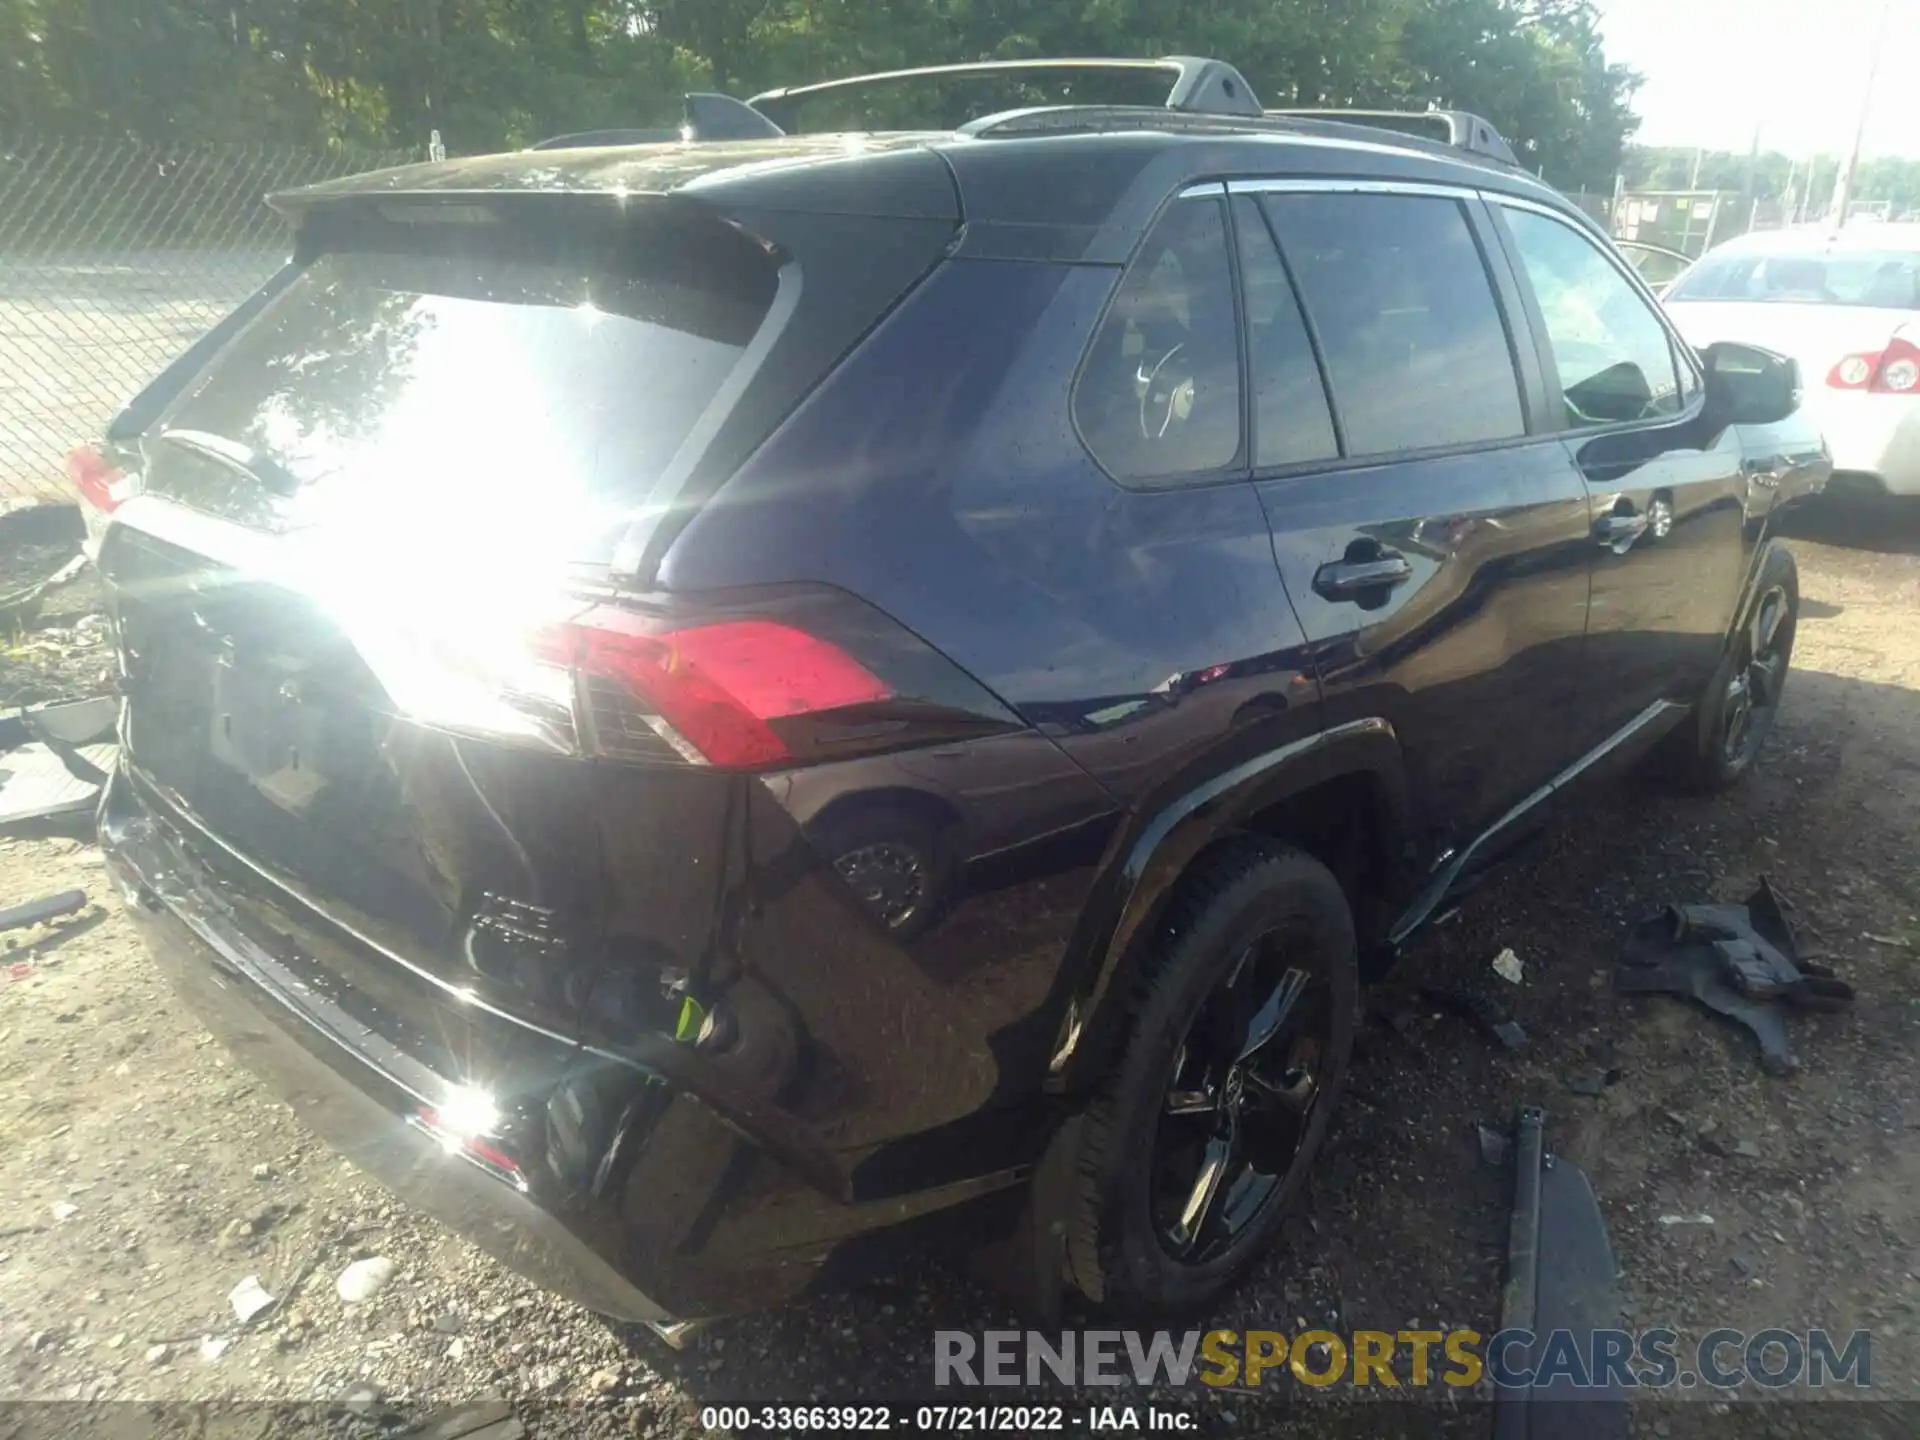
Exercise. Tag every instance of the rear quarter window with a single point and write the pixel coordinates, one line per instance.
(1158, 397)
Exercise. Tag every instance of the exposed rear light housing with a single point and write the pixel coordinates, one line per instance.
(100, 482)
(1892, 371)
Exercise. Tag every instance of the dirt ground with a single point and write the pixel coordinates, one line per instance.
(143, 1176)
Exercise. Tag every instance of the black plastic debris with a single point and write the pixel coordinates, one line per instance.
(47, 907)
(1483, 1011)
(1561, 1287)
(1495, 1145)
(1589, 1082)
(1738, 960)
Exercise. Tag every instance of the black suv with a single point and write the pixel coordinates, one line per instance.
(702, 707)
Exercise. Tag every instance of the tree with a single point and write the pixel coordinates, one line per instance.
(493, 73)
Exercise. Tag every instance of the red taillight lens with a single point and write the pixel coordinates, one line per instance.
(1892, 371)
(717, 685)
(1899, 369)
(93, 475)
(1854, 372)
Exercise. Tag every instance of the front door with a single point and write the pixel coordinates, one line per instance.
(1668, 497)
(1439, 562)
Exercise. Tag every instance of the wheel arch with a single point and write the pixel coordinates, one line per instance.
(1288, 794)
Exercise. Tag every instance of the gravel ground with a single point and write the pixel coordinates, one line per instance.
(144, 1176)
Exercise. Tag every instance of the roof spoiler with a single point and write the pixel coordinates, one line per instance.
(1459, 128)
(706, 115)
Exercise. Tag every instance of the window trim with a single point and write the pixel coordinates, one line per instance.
(1676, 343)
(1312, 330)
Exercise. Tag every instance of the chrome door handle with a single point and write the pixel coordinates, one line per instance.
(1350, 579)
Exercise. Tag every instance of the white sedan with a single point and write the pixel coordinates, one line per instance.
(1845, 304)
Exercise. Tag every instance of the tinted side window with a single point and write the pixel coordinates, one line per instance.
(1611, 351)
(1415, 349)
(1159, 394)
(1291, 422)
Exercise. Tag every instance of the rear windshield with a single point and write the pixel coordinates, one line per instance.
(481, 378)
(1883, 279)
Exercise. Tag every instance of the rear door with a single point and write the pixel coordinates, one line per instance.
(1669, 499)
(1437, 554)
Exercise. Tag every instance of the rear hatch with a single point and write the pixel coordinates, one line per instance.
(375, 653)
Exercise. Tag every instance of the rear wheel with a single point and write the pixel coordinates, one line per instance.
(1202, 1137)
(1734, 717)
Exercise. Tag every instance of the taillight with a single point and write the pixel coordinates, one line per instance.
(1892, 371)
(719, 688)
(96, 478)
(740, 682)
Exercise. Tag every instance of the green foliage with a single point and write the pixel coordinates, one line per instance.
(496, 73)
(1883, 177)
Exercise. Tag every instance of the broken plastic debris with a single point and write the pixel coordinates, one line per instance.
(1686, 1219)
(1590, 1082)
(64, 1209)
(212, 1347)
(1495, 1145)
(1508, 967)
(249, 1298)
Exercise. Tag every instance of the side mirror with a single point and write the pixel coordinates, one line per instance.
(1749, 386)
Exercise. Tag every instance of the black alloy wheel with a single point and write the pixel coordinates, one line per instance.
(1240, 1097)
(1203, 1134)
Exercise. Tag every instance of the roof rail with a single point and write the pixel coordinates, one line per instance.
(1458, 128)
(1198, 85)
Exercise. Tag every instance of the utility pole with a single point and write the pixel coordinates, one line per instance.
(1843, 183)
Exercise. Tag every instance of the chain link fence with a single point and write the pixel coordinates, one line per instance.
(114, 257)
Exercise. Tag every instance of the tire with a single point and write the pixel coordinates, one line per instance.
(1660, 517)
(1239, 930)
(1715, 749)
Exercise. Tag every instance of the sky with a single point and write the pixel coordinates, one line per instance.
(1796, 68)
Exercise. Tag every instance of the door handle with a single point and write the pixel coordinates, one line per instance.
(1767, 475)
(1619, 529)
(1352, 579)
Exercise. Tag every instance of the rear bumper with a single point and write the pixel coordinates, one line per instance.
(351, 1090)
(1876, 435)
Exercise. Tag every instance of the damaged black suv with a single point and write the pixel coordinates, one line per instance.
(701, 707)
